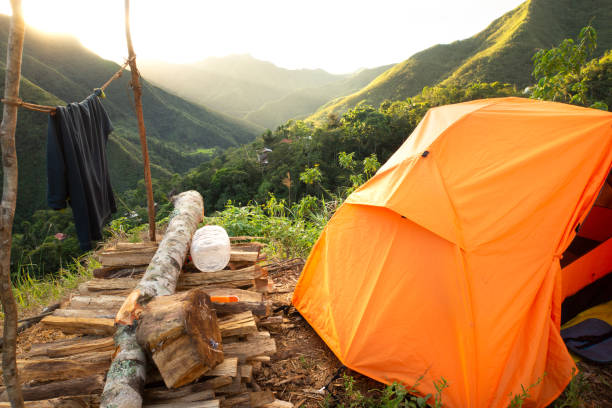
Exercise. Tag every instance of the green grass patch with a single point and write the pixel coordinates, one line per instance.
(32, 293)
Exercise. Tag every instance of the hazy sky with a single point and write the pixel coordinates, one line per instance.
(336, 35)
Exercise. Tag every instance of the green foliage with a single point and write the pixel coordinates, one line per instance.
(395, 395)
(47, 242)
(444, 95)
(574, 394)
(517, 400)
(289, 230)
(560, 71)
(347, 160)
(311, 175)
(370, 165)
(31, 291)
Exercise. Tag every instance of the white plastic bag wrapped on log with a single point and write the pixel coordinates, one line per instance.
(210, 248)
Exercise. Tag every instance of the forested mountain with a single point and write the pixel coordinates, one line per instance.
(501, 52)
(259, 91)
(57, 69)
(303, 102)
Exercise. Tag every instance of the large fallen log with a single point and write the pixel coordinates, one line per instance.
(126, 376)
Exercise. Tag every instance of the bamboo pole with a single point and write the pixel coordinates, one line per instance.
(9, 200)
(126, 376)
(137, 88)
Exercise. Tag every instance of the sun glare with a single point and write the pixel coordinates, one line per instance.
(339, 36)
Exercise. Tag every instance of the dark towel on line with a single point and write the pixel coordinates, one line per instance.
(77, 169)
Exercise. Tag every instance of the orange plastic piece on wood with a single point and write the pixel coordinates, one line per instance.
(224, 299)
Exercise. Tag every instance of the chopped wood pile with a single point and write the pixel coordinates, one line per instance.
(204, 342)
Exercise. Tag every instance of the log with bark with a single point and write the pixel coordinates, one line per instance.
(126, 376)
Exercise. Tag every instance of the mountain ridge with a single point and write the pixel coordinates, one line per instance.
(257, 91)
(501, 52)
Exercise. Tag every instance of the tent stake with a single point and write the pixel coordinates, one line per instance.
(137, 88)
(9, 199)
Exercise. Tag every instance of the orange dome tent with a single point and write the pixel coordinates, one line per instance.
(447, 262)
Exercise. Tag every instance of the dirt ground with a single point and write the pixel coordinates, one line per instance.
(303, 364)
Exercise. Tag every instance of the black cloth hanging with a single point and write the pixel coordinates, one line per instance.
(77, 169)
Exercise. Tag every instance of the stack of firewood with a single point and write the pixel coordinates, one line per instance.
(204, 343)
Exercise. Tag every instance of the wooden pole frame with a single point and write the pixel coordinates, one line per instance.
(10, 183)
(9, 199)
(137, 88)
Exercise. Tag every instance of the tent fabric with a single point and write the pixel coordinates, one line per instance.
(446, 264)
